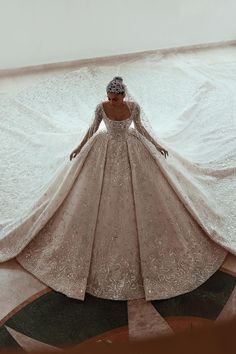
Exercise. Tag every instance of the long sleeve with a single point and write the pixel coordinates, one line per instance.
(140, 128)
(94, 126)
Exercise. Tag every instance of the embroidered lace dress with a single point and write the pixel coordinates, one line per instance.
(114, 227)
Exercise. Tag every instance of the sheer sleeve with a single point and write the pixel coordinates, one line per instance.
(140, 128)
(94, 126)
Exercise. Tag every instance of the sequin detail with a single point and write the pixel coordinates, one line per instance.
(120, 232)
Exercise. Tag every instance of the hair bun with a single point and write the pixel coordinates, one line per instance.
(118, 78)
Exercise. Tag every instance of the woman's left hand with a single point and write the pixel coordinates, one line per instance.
(162, 150)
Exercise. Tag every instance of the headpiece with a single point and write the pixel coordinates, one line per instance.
(116, 85)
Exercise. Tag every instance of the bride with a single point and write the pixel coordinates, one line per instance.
(117, 108)
(112, 225)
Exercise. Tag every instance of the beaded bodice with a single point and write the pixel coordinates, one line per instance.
(117, 128)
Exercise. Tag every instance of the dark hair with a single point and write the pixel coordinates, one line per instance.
(118, 78)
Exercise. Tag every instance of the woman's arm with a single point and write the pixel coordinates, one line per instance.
(140, 128)
(92, 129)
(94, 126)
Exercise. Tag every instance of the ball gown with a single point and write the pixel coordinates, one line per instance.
(116, 228)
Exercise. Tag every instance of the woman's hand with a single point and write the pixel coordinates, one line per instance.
(75, 152)
(162, 150)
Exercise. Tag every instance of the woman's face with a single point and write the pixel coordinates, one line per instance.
(115, 98)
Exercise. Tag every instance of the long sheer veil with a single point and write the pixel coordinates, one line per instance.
(42, 125)
(191, 181)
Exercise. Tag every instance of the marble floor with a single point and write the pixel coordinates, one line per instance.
(33, 316)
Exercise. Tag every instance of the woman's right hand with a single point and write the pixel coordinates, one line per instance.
(75, 152)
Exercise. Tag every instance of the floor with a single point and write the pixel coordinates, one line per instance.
(32, 316)
(35, 317)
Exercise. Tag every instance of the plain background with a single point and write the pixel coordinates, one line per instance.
(34, 32)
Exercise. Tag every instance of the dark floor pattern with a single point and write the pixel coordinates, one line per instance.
(207, 301)
(6, 339)
(58, 320)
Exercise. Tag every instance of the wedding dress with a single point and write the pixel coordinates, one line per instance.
(112, 224)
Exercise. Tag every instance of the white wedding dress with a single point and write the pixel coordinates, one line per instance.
(111, 225)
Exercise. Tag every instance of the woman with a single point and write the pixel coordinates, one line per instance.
(119, 111)
(114, 227)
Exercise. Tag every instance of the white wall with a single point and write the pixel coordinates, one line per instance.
(44, 31)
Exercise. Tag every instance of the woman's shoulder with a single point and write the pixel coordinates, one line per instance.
(133, 103)
(136, 106)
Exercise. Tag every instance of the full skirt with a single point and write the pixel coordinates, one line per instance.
(121, 232)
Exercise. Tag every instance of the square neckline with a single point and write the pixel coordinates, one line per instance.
(113, 120)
